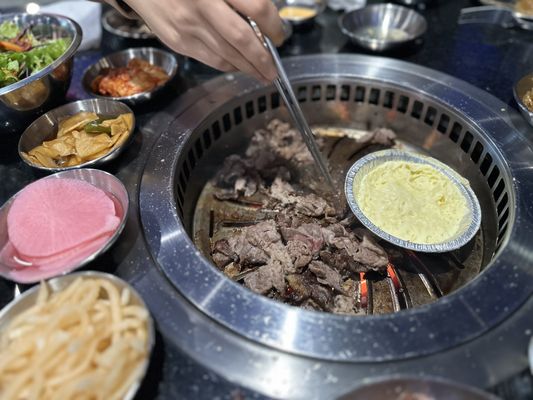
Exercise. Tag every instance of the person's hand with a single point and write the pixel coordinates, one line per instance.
(212, 31)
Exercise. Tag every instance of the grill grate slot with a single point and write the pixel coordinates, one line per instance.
(261, 104)
(316, 93)
(499, 190)
(199, 148)
(388, 99)
(485, 165)
(430, 116)
(503, 202)
(456, 132)
(403, 104)
(191, 158)
(501, 235)
(274, 100)
(217, 132)
(301, 94)
(444, 123)
(207, 139)
(374, 96)
(476, 153)
(504, 218)
(249, 107)
(226, 122)
(331, 91)
(416, 112)
(237, 115)
(494, 175)
(360, 94)
(467, 142)
(180, 195)
(345, 93)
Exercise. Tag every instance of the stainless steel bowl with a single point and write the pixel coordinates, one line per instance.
(45, 128)
(158, 57)
(372, 160)
(382, 27)
(397, 387)
(29, 297)
(520, 89)
(102, 180)
(25, 100)
(115, 23)
(318, 6)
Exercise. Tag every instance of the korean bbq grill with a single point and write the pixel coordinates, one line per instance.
(415, 305)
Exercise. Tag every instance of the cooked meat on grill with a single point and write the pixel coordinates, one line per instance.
(307, 254)
(326, 275)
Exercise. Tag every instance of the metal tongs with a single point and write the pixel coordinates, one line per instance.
(285, 89)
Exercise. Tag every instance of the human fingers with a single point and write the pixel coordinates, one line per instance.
(241, 36)
(198, 50)
(265, 14)
(213, 40)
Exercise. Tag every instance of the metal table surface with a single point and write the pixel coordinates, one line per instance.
(487, 56)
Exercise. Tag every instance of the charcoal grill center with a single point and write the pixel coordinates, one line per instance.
(444, 303)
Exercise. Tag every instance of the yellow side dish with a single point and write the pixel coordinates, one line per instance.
(296, 13)
(80, 138)
(412, 201)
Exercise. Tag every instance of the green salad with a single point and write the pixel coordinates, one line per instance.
(23, 54)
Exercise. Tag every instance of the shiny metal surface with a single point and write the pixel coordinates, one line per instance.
(28, 298)
(45, 128)
(416, 332)
(317, 5)
(506, 18)
(23, 101)
(387, 20)
(115, 23)
(519, 90)
(372, 160)
(102, 180)
(284, 87)
(416, 388)
(161, 58)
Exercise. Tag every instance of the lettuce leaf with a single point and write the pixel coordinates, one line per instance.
(17, 66)
(9, 30)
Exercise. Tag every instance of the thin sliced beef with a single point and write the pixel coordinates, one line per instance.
(300, 254)
(238, 249)
(326, 275)
(366, 251)
(341, 260)
(266, 278)
(310, 234)
(303, 288)
(312, 205)
(236, 178)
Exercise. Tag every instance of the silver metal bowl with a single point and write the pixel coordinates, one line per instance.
(115, 23)
(102, 180)
(25, 100)
(372, 160)
(415, 387)
(382, 27)
(29, 297)
(157, 57)
(45, 128)
(519, 90)
(318, 6)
